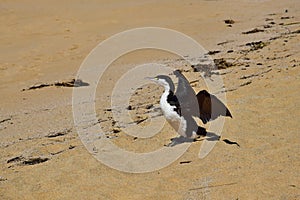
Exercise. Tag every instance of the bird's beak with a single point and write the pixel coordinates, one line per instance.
(150, 78)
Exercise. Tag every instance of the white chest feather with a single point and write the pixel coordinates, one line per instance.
(176, 121)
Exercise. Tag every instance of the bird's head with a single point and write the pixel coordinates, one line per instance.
(164, 81)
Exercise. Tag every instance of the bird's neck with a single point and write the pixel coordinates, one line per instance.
(166, 93)
(167, 90)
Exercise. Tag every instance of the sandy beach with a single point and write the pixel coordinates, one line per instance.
(254, 44)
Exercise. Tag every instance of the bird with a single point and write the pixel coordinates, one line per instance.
(180, 107)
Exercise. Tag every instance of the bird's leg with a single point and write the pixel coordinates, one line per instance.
(172, 143)
(201, 134)
(201, 131)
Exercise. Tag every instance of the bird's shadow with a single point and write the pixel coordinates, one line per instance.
(210, 136)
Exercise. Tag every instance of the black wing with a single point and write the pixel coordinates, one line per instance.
(188, 104)
(186, 96)
(211, 107)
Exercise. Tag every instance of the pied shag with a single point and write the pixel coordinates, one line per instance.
(179, 108)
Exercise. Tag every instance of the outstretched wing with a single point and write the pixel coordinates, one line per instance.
(186, 96)
(204, 105)
(211, 107)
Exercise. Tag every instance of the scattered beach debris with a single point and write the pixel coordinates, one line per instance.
(229, 90)
(138, 121)
(5, 120)
(221, 63)
(269, 19)
(231, 142)
(3, 178)
(34, 161)
(267, 26)
(255, 30)
(102, 120)
(27, 161)
(149, 106)
(229, 21)
(69, 83)
(129, 107)
(212, 186)
(225, 42)
(185, 162)
(253, 75)
(210, 68)
(59, 133)
(195, 81)
(213, 52)
(291, 23)
(116, 130)
(246, 83)
(256, 45)
(15, 159)
(272, 23)
(37, 86)
(62, 150)
(58, 152)
(296, 32)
